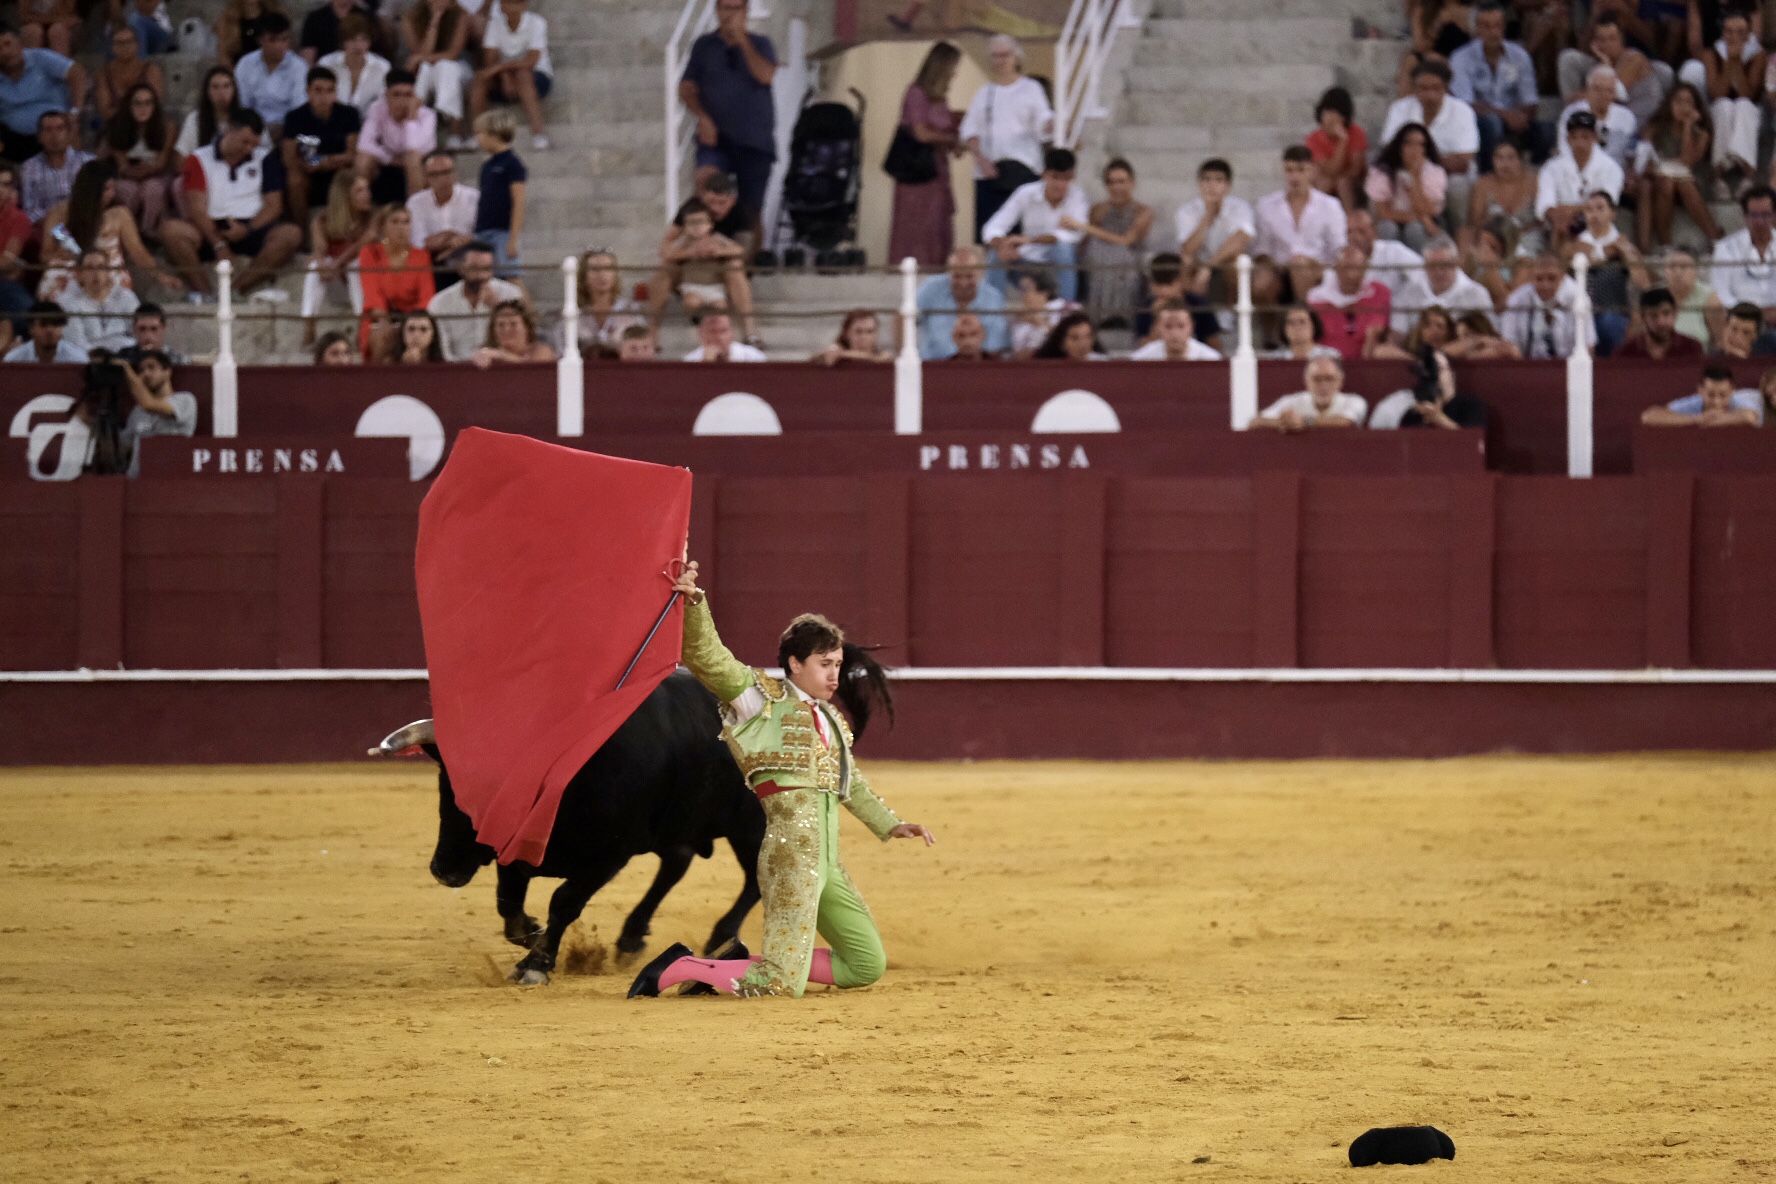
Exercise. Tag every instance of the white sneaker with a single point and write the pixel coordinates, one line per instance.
(540, 142)
(460, 143)
(271, 295)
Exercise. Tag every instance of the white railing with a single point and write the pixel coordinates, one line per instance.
(696, 19)
(224, 375)
(1087, 38)
(1580, 375)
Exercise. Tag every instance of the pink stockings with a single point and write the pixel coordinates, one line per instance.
(722, 975)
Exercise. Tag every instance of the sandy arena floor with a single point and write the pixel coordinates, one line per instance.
(1130, 972)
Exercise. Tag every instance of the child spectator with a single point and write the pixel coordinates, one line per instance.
(139, 141)
(707, 269)
(362, 75)
(126, 70)
(417, 343)
(637, 345)
(219, 107)
(272, 80)
(335, 349)
(512, 337)
(399, 132)
(320, 143)
(437, 33)
(100, 309)
(515, 66)
(396, 278)
(858, 341)
(1340, 148)
(241, 24)
(499, 215)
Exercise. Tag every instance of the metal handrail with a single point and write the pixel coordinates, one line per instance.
(696, 19)
(1087, 38)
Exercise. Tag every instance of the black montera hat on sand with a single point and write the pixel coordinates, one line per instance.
(1400, 1144)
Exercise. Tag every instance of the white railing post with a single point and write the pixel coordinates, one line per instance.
(1065, 67)
(570, 371)
(1243, 374)
(909, 368)
(224, 377)
(1580, 373)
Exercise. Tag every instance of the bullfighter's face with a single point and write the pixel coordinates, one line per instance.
(818, 676)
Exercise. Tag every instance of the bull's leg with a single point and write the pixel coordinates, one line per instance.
(674, 862)
(522, 929)
(745, 841)
(565, 908)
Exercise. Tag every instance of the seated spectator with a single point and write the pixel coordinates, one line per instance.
(1176, 341)
(705, 270)
(93, 218)
(1502, 204)
(726, 88)
(605, 313)
(499, 214)
(320, 144)
(1571, 176)
(272, 80)
(1407, 188)
(1214, 229)
(219, 107)
(859, 340)
(100, 310)
(1477, 340)
(1436, 29)
(1299, 231)
(48, 177)
(1739, 335)
(1538, 316)
(241, 23)
(512, 337)
(323, 29)
(1321, 406)
(942, 298)
(1388, 263)
(415, 343)
(1353, 310)
(339, 232)
(1767, 393)
(1735, 95)
(1640, 86)
(1168, 280)
(36, 85)
(1674, 165)
(126, 70)
(1616, 125)
(1302, 333)
(1498, 80)
(1454, 129)
(1743, 261)
(1039, 310)
(715, 342)
(1339, 147)
(1615, 264)
(51, 24)
(443, 214)
(1714, 405)
(159, 409)
(335, 349)
(1437, 405)
(1073, 339)
(1042, 223)
(1657, 336)
(721, 195)
(398, 134)
(1700, 313)
(46, 344)
(1434, 327)
(138, 140)
(396, 278)
(1115, 238)
(637, 345)
(437, 36)
(362, 75)
(15, 232)
(1443, 285)
(154, 28)
(148, 330)
(464, 309)
(515, 64)
(968, 339)
(234, 207)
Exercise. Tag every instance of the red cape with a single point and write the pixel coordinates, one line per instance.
(540, 571)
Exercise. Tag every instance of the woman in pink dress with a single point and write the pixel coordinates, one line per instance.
(925, 214)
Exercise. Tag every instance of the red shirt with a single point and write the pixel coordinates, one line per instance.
(1682, 346)
(15, 230)
(1324, 147)
(1347, 325)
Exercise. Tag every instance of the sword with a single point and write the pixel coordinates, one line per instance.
(658, 621)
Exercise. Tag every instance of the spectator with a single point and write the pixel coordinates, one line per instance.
(126, 70)
(1303, 332)
(52, 24)
(512, 337)
(1657, 337)
(1498, 80)
(148, 330)
(338, 233)
(1007, 122)
(1767, 393)
(234, 206)
(859, 340)
(1714, 405)
(1641, 88)
(443, 213)
(925, 211)
(320, 144)
(1443, 285)
(499, 213)
(1437, 30)
(154, 28)
(1739, 336)
(1072, 339)
(515, 66)
(463, 310)
(705, 269)
(637, 345)
(219, 107)
(159, 409)
(138, 140)
(1177, 338)
(417, 342)
(1503, 205)
(1546, 28)
(323, 29)
(1675, 167)
(1616, 125)
(1452, 125)
(1214, 229)
(968, 340)
(1040, 308)
(100, 310)
(1390, 264)
(1340, 148)
(398, 134)
(1437, 405)
(15, 232)
(396, 277)
(942, 297)
(272, 80)
(1299, 231)
(1570, 176)
(1477, 339)
(1745, 261)
(1407, 188)
(362, 75)
(1352, 309)
(1042, 223)
(720, 194)
(1538, 317)
(715, 342)
(1735, 95)
(1320, 407)
(1435, 328)
(47, 345)
(1115, 237)
(605, 313)
(34, 84)
(92, 217)
(1700, 313)
(241, 24)
(49, 176)
(1614, 264)
(438, 34)
(335, 349)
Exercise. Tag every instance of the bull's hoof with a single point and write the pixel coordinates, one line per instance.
(523, 930)
(647, 983)
(529, 976)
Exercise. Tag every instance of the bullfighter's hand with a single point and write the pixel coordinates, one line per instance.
(686, 583)
(912, 830)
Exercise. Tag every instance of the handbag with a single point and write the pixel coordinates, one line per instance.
(908, 161)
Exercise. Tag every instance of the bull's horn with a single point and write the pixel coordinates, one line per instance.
(406, 741)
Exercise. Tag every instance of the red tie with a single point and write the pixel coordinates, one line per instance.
(819, 724)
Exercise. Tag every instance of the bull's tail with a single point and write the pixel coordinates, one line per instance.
(416, 739)
(863, 686)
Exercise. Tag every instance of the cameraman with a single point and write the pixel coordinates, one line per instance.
(106, 427)
(1435, 403)
(159, 409)
(46, 346)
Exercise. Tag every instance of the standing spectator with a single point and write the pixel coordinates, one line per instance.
(46, 345)
(499, 216)
(515, 65)
(704, 269)
(1407, 188)
(1641, 87)
(968, 340)
(925, 212)
(234, 207)
(1503, 204)
(1303, 335)
(1006, 124)
(320, 143)
(338, 233)
(1321, 406)
(1452, 125)
(154, 28)
(859, 340)
(323, 29)
(1714, 405)
(1042, 223)
(437, 33)
(1538, 317)
(1570, 176)
(1353, 308)
(139, 141)
(1676, 167)
(464, 309)
(241, 24)
(100, 309)
(1299, 231)
(126, 70)
(715, 342)
(335, 349)
(1497, 79)
(36, 85)
(605, 313)
(49, 175)
(1700, 313)
(396, 277)
(727, 90)
(1177, 338)
(1339, 146)
(1616, 125)
(1115, 240)
(417, 344)
(1735, 95)
(148, 331)
(1745, 261)
(272, 80)
(1443, 285)
(942, 298)
(159, 409)
(1071, 340)
(512, 337)
(397, 135)
(1214, 229)
(219, 107)
(443, 213)
(15, 232)
(1657, 337)
(362, 76)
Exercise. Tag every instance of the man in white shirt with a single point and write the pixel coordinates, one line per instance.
(1538, 317)
(1321, 406)
(1616, 125)
(1042, 222)
(1007, 121)
(462, 309)
(1571, 176)
(443, 213)
(1214, 227)
(233, 209)
(1444, 285)
(271, 80)
(1453, 127)
(1299, 232)
(1177, 339)
(1392, 263)
(715, 342)
(1745, 261)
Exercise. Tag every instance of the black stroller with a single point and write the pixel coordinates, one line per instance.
(820, 188)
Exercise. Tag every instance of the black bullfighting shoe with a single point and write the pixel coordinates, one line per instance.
(647, 983)
(730, 949)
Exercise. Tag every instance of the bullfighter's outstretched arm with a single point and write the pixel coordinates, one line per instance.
(714, 665)
(869, 809)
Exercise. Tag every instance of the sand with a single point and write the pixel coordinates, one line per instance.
(1105, 972)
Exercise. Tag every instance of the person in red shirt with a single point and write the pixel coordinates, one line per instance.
(1657, 336)
(397, 277)
(1353, 312)
(1339, 147)
(15, 232)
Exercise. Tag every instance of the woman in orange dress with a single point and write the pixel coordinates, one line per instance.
(397, 277)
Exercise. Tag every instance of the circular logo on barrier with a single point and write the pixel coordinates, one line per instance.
(1075, 411)
(737, 414)
(406, 416)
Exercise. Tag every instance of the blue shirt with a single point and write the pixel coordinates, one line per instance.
(499, 173)
(273, 92)
(937, 318)
(1742, 401)
(41, 87)
(66, 352)
(1513, 84)
(739, 103)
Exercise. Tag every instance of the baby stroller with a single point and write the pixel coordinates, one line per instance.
(819, 210)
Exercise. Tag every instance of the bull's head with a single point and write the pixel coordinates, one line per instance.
(458, 856)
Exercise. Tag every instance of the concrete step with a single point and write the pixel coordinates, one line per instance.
(1152, 142)
(1160, 109)
(1384, 13)
(1297, 81)
(1310, 39)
